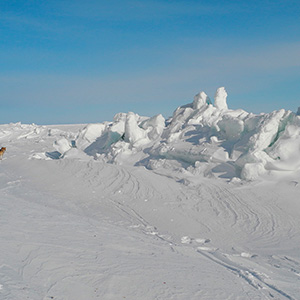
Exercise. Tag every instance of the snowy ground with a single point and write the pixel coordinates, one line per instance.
(95, 225)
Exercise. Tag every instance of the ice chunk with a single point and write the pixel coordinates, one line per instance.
(186, 240)
(62, 145)
(200, 100)
(252, 171)
(154, 126)
(230, 127)
(119, 123)
(135, 135)
(285, 151)
(220, 98)
(92, 131)
(267, 130)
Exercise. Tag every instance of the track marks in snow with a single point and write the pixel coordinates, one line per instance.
(246, 219)
(116, 182)
(232, 208)
(249, 220)
(253, 278)
(275, 226)
(243, 213)
(208, 211)
(256, 279)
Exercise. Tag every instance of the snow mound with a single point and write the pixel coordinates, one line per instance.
(203, 138)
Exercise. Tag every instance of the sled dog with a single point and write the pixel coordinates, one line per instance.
(2, 150)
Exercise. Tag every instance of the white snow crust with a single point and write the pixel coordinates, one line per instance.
(203, 205)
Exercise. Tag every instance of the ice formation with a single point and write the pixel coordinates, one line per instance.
(220, 98)
(200, 137)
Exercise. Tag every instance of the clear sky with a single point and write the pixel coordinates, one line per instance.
(82, 61)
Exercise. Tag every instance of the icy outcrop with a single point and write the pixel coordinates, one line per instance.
(200, 100)
(62, 145)
(252, 171)
(92, 131)
(154, 126)
(285, 152)
(201, 137)
(230, 127)
(89, 134)
(135, 135)
(220, 98)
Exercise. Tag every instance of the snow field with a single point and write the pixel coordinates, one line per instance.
(204, 205)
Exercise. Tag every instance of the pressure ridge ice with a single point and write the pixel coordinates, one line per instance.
(201, 137)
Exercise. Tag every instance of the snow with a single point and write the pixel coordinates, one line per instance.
(203, 205)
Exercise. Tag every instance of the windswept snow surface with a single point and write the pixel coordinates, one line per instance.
(204, 205)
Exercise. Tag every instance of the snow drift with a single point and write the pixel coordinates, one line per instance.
(202, 137)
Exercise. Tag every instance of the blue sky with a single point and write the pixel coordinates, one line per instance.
(71, 61)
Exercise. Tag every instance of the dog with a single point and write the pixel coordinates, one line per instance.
(2, 150)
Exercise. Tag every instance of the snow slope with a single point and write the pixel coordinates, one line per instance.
(204, 205)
